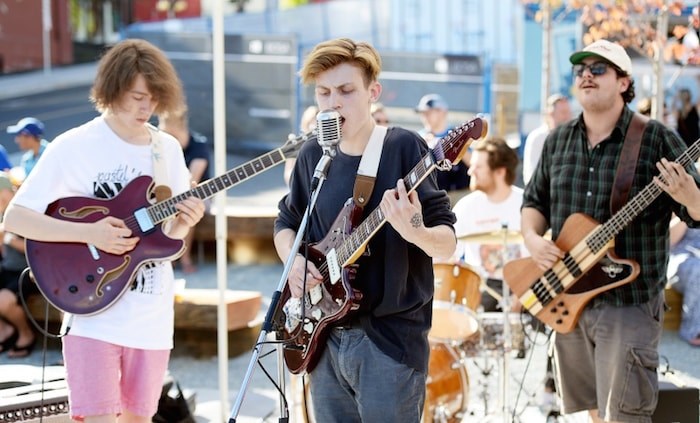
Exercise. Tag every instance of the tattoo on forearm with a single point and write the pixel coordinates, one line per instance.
(416, 220)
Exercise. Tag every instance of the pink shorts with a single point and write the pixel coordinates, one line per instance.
(104, 378)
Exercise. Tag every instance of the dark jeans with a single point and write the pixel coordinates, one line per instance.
(355, 382)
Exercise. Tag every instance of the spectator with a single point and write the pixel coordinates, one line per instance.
(558, 112)
(684, 277)
(687, 119)
(18, 338)
(644, 106)
(379, 114)
(28, 132)
(196, 151)
(433, 112)
(306, 125)
(5, 164)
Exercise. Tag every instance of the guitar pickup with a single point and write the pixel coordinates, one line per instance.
(144, 221)
(334, 270)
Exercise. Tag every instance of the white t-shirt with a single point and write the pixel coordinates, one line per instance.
(92, 161)
(533, 150)
(477, 214)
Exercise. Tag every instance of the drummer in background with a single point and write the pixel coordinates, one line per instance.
(492, 205)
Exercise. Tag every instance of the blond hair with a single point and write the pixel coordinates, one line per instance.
(331, 53)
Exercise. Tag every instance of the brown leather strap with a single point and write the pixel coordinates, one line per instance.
(367, 170)
(627, 163)
(363, 190)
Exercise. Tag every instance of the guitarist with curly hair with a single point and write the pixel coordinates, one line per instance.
(115, 359)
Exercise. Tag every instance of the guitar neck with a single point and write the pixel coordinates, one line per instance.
(165, 209)
(600, 238)
(354, 244)
(447, 150)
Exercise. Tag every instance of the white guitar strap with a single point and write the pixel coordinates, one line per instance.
(160, 170)
(369, 163)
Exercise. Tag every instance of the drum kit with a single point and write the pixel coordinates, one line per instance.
(462, 333)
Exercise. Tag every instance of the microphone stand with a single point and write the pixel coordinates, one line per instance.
(320, 174)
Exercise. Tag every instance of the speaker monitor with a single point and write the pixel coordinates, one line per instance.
(676, 404)
(28, 403)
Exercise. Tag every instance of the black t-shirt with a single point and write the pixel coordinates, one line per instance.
(395, 277)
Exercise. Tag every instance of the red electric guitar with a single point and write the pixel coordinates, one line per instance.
(80, 279)
(558, 295)
(332, 301)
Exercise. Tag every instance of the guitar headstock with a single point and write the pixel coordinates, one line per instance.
(294, 142)
(453, 145)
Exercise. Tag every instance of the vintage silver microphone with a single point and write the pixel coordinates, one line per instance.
(328, 130)
(328, 136)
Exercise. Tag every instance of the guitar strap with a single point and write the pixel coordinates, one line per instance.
(628, 162)
(367, 170)
(160, 170)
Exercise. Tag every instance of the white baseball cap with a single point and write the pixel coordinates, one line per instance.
(612, 52)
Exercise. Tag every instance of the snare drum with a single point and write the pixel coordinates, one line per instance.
(447, 385)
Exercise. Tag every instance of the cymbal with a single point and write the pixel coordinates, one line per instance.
(493, 237)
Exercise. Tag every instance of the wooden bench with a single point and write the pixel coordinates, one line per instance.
(195, 321)
(249, 234)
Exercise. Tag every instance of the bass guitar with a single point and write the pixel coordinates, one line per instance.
(303, 327)
(558, 295)
(78, 278)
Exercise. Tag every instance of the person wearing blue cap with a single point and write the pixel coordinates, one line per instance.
(28, 136)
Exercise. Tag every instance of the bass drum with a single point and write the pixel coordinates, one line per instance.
(447, 385)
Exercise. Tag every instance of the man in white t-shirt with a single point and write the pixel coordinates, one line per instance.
(491, 209)
(558, 112)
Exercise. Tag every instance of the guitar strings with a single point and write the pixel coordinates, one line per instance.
(609, 230)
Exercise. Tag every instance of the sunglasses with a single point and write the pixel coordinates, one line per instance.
(596, 69)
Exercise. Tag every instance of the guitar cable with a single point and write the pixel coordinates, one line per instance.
(25, 277)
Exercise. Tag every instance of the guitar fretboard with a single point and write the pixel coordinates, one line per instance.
(448, 147)
(166, 208)
(602, 236)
